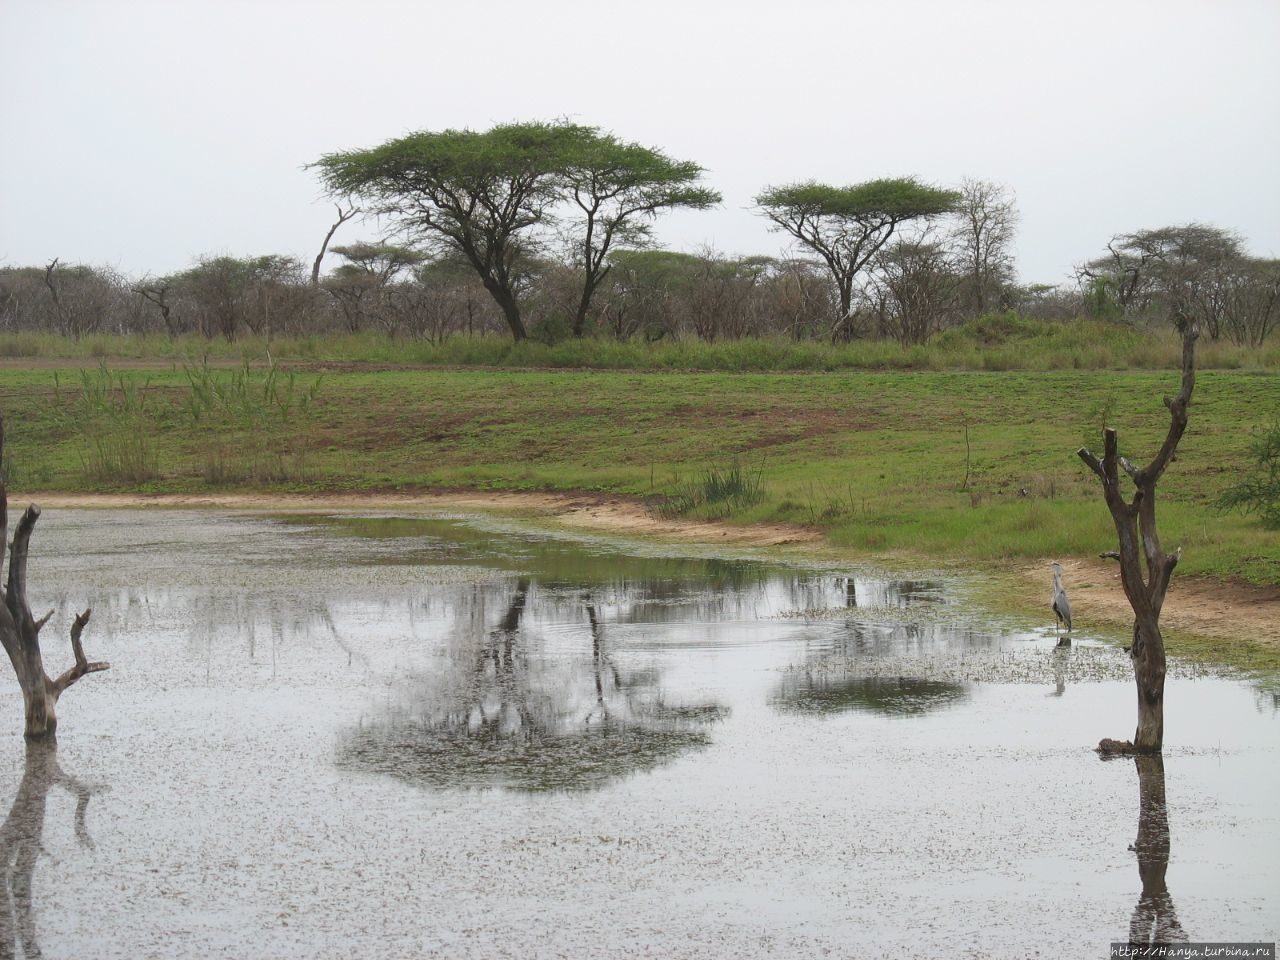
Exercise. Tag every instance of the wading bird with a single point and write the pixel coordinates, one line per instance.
(1061, 605)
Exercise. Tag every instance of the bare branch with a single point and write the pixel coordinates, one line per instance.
(343, 217)
(83, 665)
(16, 591)
(1177, 408)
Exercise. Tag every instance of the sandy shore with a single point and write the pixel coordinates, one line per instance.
(1211, 609)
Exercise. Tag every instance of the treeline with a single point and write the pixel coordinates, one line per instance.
(544, 231)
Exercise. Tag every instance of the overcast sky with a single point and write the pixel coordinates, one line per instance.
(142, 134)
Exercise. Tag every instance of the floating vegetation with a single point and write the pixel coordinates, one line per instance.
(1077, 664)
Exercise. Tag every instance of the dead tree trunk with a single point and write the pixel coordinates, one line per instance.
(343, 217)
(1145, 569)
(20, 631)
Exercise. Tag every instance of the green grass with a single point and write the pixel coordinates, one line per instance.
(1000, 342)
(878, 458)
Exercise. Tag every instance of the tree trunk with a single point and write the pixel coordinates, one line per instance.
(20, 631)
(1148, 675)
(1145, 569)
(510, 309)
(580, 314)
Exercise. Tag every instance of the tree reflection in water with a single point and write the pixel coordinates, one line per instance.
(828, 692)
(1154, 918)
(503, 715)
(20, 842)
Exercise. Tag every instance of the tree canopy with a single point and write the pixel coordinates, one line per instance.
(474, 193)
(1194, 272)
(619, 189)
(486, 196)
(846, 226)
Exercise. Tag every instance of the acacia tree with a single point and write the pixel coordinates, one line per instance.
(20, 630)
(360, 284)
(1145, 568)
(475, 194)
(846, 226)
(619, 189)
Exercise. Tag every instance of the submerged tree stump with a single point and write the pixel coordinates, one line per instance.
(20, 630)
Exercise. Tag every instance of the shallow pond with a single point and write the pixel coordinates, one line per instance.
(325, 736)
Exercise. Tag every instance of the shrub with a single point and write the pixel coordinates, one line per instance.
(1259, 493)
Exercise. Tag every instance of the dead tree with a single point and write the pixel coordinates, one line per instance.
(343, 217)
(1145, 569)
(20, 631)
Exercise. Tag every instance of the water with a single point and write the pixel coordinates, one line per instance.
(447, 736)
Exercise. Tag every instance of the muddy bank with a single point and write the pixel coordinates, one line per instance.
(1226, 614)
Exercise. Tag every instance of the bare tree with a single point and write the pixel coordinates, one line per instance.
(1251, 301)
(1145, 569)
(803, 298)
(1176, 272)
(987, 219)
(82, 297)
(157, 292)
(914, 290)
(20, 630)
(343, 217)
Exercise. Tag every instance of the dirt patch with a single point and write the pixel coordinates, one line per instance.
(578, 511)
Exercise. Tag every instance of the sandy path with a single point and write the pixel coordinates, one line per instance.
(1209, 608)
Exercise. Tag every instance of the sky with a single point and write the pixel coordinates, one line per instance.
(142, 134)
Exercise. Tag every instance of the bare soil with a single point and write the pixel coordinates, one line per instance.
(1233, 613)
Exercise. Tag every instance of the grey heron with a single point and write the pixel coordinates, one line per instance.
(1061, 605)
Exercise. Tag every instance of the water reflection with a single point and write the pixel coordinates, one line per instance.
(499, 711)
(901, 594)
(1155, 920)
(814, 692)
(21, 838)
(1061, 660)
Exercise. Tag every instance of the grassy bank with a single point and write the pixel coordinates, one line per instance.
(941, 464)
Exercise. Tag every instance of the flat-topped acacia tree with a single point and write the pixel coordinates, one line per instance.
(617, 190)
(478, 195)
(494, 197)
(1145, 568)
(20, 630)
(846, 226)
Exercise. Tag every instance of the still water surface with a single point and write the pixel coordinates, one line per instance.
(449, 736)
